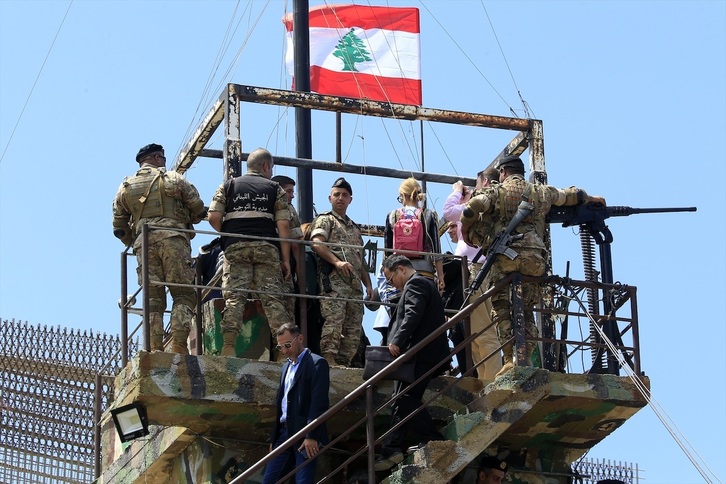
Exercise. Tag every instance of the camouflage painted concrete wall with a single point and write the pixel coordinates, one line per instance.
(222, 398)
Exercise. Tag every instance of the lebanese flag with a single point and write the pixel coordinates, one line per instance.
(363, 52)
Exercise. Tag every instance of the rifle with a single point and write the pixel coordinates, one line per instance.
(499, 245)
(593, 215)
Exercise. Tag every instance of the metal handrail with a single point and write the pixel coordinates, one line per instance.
(361, 389)
(367, 386)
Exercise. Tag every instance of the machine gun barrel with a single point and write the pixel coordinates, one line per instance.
(621, 211)
(592, 212)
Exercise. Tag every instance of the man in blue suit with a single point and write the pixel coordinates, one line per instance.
(419, 313)
(301, 398)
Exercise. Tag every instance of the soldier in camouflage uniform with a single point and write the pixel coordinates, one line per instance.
(254, 205)
(162, 198)
(488, 341)
(488, 213)
(340, 272)
(296, 250)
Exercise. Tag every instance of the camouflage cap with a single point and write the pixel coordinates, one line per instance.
(147, 150)
(510, 161)
(342, 183)
(493, 463)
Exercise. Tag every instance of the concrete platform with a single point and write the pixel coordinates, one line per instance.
(211, 416)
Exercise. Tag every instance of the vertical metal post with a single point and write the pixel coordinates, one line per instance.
(610, 326)
(303, 130)
(97, 426)
(232, 153)
(538, 174)
(124, 311)
(520, 338)
(145, 285)
(338, 136)
(537, 170)
(370, 434)
(423, 169)
(198, 313)
(636, 331)
(466, 322)
(302, 288)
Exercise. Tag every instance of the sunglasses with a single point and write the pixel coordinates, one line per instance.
(390, 279)
(287, 345)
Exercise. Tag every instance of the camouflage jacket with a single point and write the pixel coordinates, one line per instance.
(490, 210)
(339, 229)
(180, 205)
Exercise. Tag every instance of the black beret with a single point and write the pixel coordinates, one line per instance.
(511, 160)
(342, 183)
(283, 180)
(148, 149)
(494, 463)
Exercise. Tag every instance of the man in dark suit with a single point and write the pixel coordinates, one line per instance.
(419, 313)
(301, 398)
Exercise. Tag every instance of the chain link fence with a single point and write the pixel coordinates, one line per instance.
(593, 471)
(48, 377)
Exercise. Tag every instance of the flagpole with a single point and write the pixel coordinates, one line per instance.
(338, 135)
(423, 170)
(303, 130)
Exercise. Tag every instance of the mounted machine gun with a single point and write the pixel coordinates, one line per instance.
(590, 218)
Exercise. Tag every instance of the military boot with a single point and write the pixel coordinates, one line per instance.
(230, 341)
(157, 342)
(179, 342)
(508, 361)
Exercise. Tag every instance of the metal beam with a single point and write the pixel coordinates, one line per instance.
(280, 97)
(201, 136)
(356, 169)
(234, 94)
(515, 147)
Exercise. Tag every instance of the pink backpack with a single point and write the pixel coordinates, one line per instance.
(408, 232)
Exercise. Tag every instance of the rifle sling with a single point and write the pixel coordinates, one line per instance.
(143, 199)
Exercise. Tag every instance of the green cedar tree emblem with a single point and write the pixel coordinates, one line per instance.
(350, 50)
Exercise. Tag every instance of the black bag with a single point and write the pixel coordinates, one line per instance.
(378, 357)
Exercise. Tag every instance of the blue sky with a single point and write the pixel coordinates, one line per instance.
(632, 95)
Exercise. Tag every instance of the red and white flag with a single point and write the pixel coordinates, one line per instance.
(363, 52)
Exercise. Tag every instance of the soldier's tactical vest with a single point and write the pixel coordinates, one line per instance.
(250, 208)
(146, 197)
(491, 223)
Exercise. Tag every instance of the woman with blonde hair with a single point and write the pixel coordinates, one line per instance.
(413, 231)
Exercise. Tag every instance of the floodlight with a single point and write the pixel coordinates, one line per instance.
(131, 421)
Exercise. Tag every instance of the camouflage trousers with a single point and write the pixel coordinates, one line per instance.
(342, 322)
(528, 262)
(289, 301)
(170, 260)
(252, 266)
(488, 341)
